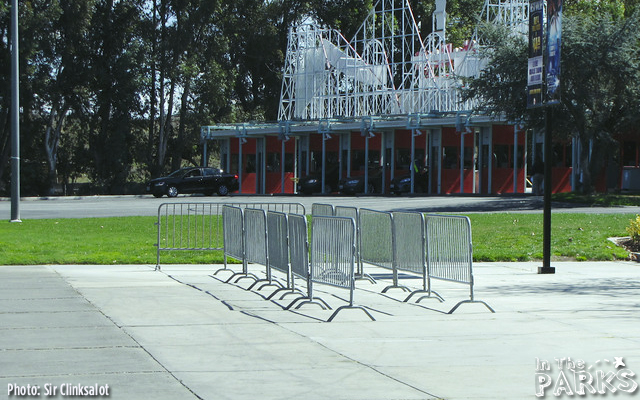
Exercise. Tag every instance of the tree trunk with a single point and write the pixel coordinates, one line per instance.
(164, 121)
(177, 157)
(165, 127)
(152, 114)
(585, 169)
(52, 141)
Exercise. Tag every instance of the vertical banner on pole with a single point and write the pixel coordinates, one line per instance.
(554, 40)
(535, 70)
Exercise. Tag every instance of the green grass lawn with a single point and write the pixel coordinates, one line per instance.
(131, 240)
(518, 237)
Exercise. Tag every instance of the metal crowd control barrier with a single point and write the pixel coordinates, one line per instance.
(377, 242)
(321, 210)
(233, 237)
(188, 226)
(255, 242)
(278, 248)
(198, 226)
(450, 252)
(299, 257)
(333, 255)
(409, 250)
(352, 212)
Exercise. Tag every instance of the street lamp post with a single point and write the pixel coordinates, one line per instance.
(15, 116)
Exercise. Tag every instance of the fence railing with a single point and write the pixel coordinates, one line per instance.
(321, 210)
(450, 252)
(432, 247)
(278, 249)
(409, 251)
(299, 257)
(255, 241)
(233, 237)
(352, 212)
(333, 256)
(377, 242)
(198, 226)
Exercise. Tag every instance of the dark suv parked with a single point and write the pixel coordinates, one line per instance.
(194, 180)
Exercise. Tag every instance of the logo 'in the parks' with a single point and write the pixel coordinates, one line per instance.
(568, 377)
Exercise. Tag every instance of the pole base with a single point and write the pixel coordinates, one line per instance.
(546, 270)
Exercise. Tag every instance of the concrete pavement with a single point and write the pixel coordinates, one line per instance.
(180, 333)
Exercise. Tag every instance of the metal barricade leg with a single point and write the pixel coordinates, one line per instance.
(426, 290)
(429, 294)
(266, 283)
(284, 292)
(470, 301)
(350, 306)
(395, 284)
(309, 298)
(289, 289)
(224, 268)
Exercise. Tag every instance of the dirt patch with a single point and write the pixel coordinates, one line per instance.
(629, 245)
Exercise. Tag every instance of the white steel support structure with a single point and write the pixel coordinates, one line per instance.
(386, 68)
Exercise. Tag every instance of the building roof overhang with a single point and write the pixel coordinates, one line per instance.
(340, 125)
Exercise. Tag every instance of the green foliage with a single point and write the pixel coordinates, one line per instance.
(343, 15)
(634, 229)
(462, 18)
(113, 86)
(595, 8)
(502, 84)
(600, 60)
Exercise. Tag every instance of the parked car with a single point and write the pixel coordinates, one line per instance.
(194, 180)
(312, 183)
(402, 184)
(355, 184)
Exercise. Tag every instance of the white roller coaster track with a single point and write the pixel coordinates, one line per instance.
(386, 68)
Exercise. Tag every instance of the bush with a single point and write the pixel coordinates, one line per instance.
(634, 229)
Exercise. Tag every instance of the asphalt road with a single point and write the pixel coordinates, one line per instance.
(119, 206)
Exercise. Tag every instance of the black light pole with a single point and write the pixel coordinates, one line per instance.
(546, 219)
(552, 97)
(15, 117)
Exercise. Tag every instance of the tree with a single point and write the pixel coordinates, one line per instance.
(114, 70)
(257, 34)
(345, 16)
(188, 78)
(58, 76)
(41, 93)
(599, 94)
